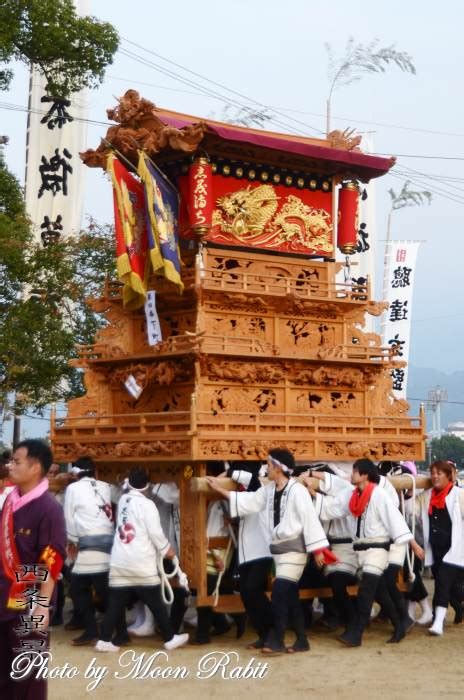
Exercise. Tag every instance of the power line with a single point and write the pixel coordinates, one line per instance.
(299, 111)
(382, 124)
(432, 177)
(412, 155)
(457, 403)
(206, 91)
(401, 175)
(23, 108)
(220, 85)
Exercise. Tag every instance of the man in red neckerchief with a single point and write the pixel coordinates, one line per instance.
(376, 522)
(32, 549)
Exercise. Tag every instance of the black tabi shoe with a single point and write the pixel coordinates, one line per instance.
(457, 614)
(408, 624)
(121, 641)
(240, 625)
(350, 638)
(397, 635)
(299, 645)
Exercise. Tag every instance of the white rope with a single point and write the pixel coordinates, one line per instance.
(347, 270)
(410, 556)
(221, 574)
(167, 593)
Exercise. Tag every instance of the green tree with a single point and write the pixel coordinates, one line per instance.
(39, 329)
(43, 302)
(71, 51)
(448, 447)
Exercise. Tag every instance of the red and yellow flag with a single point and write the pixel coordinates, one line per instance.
(131, 233)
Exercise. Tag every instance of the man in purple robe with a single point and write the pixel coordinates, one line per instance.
(32, 551)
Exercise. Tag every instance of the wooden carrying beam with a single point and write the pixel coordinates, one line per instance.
(200, 485)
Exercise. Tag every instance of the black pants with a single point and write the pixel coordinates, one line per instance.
(81, 593)
(417, 591)
(447, 581)
(286, 610)
(115, 615)
(207, 617)
(345, 605)
(254, 577)
(391, 577)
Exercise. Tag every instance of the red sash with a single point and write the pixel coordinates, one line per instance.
(360, 499)
(438, 498)
(11, 561)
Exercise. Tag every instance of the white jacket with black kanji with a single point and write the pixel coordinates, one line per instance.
(381, 520)
(254, 533)
(297, 513)
(139, 542)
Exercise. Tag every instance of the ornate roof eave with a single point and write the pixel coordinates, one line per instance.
(165, 135)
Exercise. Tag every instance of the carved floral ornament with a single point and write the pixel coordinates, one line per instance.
(140, 128)
(163, 373)
(109, 450)
(260, 373)
(258, 449)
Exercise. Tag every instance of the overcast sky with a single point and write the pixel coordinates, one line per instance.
(274, 53)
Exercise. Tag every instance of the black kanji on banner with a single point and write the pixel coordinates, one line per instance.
(397, 345)
(398, 310)
(362, 246)
(397, 375)
(51, 229)
(57, 115)
(52, 179)
(401, 277)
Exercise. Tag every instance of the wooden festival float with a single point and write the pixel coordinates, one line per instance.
(264, 347)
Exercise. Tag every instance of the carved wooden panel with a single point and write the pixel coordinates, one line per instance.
(280, 357)
(193, 540)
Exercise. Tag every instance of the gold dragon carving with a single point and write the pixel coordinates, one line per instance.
(250, 215)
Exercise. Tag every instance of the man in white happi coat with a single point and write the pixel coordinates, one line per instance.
(165, 496)
(296, 532)
(136, 565)
(254, 557)
(90, 527)
(376, 522)
(340, 533)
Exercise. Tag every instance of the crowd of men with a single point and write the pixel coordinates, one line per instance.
(115, 551)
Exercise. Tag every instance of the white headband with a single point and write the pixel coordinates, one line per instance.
(276, 463)
(134, 488)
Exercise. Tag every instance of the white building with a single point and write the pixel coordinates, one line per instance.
(456, 429)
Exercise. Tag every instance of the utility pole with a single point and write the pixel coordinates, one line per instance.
(435, 398)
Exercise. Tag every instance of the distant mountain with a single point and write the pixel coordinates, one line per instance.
(422, 379)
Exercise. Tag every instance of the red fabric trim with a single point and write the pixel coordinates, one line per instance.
(437, 499)
(52, 560)
(11, 561)
(365, 165)
(360, 499)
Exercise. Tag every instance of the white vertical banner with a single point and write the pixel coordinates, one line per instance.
(55, 174)
(154, 335)
(401, 271)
